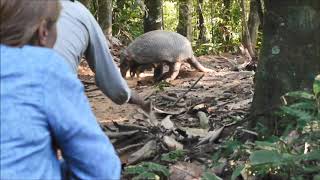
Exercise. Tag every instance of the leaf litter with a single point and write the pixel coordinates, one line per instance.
(195, 113)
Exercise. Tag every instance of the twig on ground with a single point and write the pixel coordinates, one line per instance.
(149, 95)
(175, 103)
(120, 134)
(88, 82)
(93, 89)
(128, 148)
(129, 127)
(169, 98)
(94, 95)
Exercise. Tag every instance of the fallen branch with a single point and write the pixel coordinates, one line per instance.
(175, 103)
(94, 95)
(93, 89)
(211, 136)
(149, 150)
(149, 95)
(128, 148)
(177, 112)
(88, 82)
(127, 127)
(169, 98)
(120, 134)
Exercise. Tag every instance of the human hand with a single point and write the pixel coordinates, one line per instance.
(138, 100)
(146, 106)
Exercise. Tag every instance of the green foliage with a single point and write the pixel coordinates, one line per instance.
(127, 20)
(296, 154)
(293, 155)
(170, 15)
(316, 86)
(223, 25)
(161, 85)
(303, 107)
(237, 172)
(276, 162)
(147, 170)
(173, 156)
(210, 176)
(208, 48)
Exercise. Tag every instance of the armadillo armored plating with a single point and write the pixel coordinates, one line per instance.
(156, 48)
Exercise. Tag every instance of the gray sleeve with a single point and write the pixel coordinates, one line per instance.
(107, 75)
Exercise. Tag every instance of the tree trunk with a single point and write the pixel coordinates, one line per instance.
(94, 8)
(201, 26)
(290, 55)
(153, 17)
(85, 2)
(224, 25)
(227, 5)
(246, 39)
(260, 11)
(185, 19)
(105, 16)
(253, 23)
(116, 11)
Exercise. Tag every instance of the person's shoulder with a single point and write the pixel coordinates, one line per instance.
(76, 8)
(34, 63)
(42, 55)
(33, 56)
(45, 59)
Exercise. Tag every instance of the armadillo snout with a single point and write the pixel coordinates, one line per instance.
(124, 67)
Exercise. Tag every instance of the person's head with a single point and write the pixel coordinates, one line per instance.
(30, 22)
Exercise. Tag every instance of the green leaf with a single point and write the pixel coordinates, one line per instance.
(307, 106)
(301, 115)
(266, 145)
(316, 177)
(147, 167)
(134, 170)
(146, 175)
(154, 167)
(314, 155)
(237, 172)
(231, 146)
(173, 156)
(264, 157)
(216, 156)
(286, 157)
(312, 169)
(316, 86)
(300, 95)
(210, 176)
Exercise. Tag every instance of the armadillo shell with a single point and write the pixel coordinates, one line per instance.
(158, 46)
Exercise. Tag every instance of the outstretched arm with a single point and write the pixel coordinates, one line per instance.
(108, 76)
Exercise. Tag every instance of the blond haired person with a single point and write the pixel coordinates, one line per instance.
(43, 105)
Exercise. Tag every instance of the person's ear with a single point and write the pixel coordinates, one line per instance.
(43, 34)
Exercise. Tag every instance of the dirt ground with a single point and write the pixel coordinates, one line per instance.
(194, 112)
(225, 84)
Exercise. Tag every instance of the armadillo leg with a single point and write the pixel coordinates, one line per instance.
(157, 72)
(174, 70)
(195, 63)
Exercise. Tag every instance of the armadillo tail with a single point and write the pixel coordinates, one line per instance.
(195, 63)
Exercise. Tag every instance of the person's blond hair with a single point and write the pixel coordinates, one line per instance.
(20, 19)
